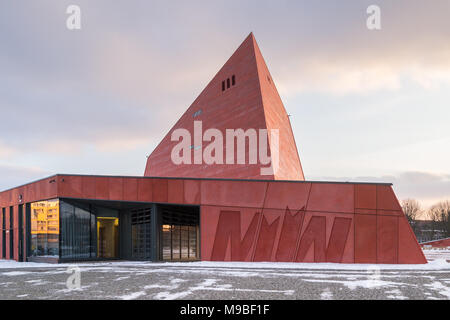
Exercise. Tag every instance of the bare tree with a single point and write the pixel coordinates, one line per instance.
(439, 214)
(412, 210)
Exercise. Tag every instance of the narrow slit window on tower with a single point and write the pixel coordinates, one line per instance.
(223, 85)
(228, 83)
(233, 80)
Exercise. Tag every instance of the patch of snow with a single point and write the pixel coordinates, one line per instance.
(121, 278)
(440, 288)
(171, 296)
(395, 294)
(366, 284)
(133, 295)
(14, 273)
(438, 264)
(11, 264)
(177, 280)
(326, 295)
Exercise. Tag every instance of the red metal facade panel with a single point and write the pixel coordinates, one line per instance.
(175, 190)
(145, 190)
(88, 187)
(408, 249)
(102, 188)
(257, 220)
(116, 189)
(233, 193)
(386, 199)
(282, 195)
(333, 232)
(292, 222)
(365, 238)
(365, 196)
(329, 197)
(276, 118)
(275, 235)
(130, 189)
(387, 239)
(209, 217)
(269, 227)
(246, 105)
(341, 240)
(160, 190)
(192, 192)
(236, 231)
(2, 227)
(70, 186)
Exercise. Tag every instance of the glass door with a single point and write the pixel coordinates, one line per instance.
(107, 237)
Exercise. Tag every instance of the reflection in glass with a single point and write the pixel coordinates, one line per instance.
(141, 233)
(179, 242)
(193, 241)
(45, 228)
(176, 242)
(78, 229)
(166, 242)
(184, 230)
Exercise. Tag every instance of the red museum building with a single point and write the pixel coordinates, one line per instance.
(217, 212)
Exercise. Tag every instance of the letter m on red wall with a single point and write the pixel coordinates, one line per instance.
(229, 233)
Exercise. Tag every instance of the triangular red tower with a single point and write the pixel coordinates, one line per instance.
(241, 95)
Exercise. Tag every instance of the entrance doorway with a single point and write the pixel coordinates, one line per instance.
(179, 233)
(107, 237)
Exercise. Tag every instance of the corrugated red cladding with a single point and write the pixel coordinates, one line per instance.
(244, 220)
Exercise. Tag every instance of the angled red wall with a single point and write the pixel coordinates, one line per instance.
(249, 104)
(257, 220)
(305, 222)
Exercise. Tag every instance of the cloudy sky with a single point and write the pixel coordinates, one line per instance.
(365, 105)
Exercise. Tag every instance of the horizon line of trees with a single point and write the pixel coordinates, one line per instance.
(438, 225)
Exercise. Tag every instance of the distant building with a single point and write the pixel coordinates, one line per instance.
(428, 230)
(440, 244)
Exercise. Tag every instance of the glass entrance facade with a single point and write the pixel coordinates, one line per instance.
(69, 229)
(45, 228)
(107, 237)
(141, 233)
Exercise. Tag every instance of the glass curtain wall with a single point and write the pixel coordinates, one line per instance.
(45, 228)
(78, 232)
(141, 233)
(3, 233)
(179, 234)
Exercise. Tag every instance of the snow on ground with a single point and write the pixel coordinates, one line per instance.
(433, 254)
(436, 264)
(229, 280)
(220, 280)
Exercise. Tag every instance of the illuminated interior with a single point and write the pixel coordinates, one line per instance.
(45, 228)
(107, 237)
